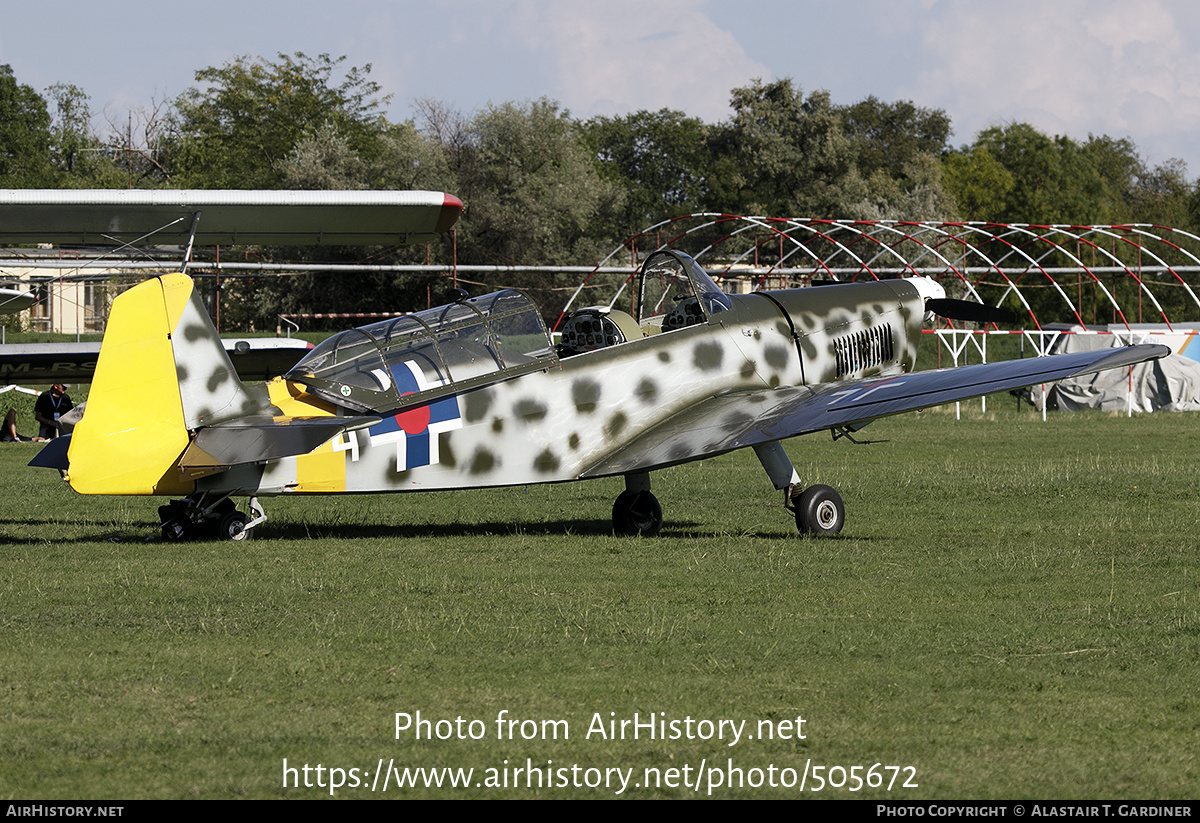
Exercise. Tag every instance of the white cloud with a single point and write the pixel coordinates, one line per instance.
(1069, 67)
(632, 54)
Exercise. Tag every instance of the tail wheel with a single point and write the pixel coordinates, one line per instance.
(637, 513)
(820, 511)
(173, 520)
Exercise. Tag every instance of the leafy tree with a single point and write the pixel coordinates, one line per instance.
(323, 159)
(782, 154)
(916, 194)
(890, 136)
(237, 130)
(1054, 179)
(1121, 168)
(977, 180)
(1140, 194)
(24, 135)
(406, 159)
(534, 193)
(896, 150)
(1166, 197)
(658, 159)
(81, 159)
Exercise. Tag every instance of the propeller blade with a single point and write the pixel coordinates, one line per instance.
(969, 311)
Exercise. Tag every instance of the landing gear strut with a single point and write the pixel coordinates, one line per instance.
(201, 516)
(819, 509)
(636, 511)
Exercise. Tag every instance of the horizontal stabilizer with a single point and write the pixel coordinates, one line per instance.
(53, 455)
(259, 438)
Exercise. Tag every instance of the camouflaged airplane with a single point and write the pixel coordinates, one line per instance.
(477, 393)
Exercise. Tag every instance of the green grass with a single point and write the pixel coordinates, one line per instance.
(1012, 610)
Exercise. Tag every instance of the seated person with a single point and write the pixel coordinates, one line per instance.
(8, 434)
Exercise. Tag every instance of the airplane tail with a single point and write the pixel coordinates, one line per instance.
(162, 372)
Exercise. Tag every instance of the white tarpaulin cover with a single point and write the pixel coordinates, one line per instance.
(1171, 383)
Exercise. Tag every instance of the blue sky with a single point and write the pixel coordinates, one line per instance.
(1068, 66)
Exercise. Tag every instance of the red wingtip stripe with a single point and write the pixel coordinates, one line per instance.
(451, 209)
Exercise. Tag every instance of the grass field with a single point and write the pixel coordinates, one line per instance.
(1012, 611)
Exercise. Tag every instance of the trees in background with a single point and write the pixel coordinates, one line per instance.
(658, 160)
(237, 129)
(544, 188)
(24, 135)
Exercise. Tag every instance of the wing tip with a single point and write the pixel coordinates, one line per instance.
(451, 209)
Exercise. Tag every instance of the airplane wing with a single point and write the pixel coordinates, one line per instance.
(104, 216)
(15, 300)
(255, 358)
(747, 418)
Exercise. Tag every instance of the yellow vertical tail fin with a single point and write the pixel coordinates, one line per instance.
(162, 372)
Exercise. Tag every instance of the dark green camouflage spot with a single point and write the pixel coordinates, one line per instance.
(777, 357)
(195, 332)
(476, 405)
(529, 411)
(482, 462)
(585, 394)
(615, 425)
(647, 390)
(707, 356)
(547, 461)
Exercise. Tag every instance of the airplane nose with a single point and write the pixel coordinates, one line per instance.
(928, 288)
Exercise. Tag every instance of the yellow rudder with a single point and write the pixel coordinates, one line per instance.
(133, 430)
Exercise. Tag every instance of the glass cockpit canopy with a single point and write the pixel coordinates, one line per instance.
(674, 292)
(410, 360)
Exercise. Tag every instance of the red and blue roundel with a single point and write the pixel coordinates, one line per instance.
(415, 430)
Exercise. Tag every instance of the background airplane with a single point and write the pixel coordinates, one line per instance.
(15, 300)
(253, 358)
(476, 393)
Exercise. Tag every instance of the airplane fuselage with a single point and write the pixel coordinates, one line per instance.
(566, 422)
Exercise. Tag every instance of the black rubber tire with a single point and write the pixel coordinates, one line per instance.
(173, 522)
(637, 513)
(233, 527)
(820, 511)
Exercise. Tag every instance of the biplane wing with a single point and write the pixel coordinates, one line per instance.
(15, 300)
(343, 218)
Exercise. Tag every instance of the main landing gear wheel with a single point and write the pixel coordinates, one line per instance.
(820, 511)
(233, 527)
(637, 512)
